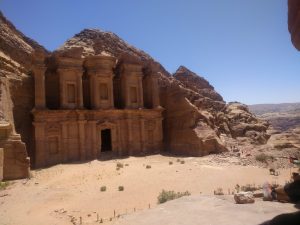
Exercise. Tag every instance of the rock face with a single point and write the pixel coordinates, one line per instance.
(242, 123)
(196, 120)
(16, 98)
(16, 163)
(285, 123)
(196, 83)
(95, 106)
(294, 21)
(281, 116)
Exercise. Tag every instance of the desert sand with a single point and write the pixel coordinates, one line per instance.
(63, 193)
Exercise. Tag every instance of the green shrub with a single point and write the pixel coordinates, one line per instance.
(219, 191)
(148, 167)
(263, 157)
(249, 187)
(103, 188)
(120, 165)
(165, 196)
(4, 185)
(121, 188)
(170, 163)
(182, 162)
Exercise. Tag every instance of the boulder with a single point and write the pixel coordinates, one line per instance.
(15, 161)
(244, 198)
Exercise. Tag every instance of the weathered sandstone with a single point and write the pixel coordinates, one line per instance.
(16, 99)
(58, 90)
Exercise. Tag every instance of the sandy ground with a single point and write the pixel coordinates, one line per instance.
(63, 194)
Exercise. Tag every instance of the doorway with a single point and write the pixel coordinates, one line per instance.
(106, 140)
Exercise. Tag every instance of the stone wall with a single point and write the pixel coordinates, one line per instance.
(73, 135)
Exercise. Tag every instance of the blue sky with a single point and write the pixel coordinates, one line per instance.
(241, 47)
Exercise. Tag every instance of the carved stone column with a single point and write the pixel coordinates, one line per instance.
(65, 142)
(62, 92)
(70, 73)
(129, 141)
(155, 91)
(100, 72)
(131, 84)
(140, 93)
(79, 88)
(39, 70)
(81, 124)
(40, 148)
(143, 135)
(95, 140)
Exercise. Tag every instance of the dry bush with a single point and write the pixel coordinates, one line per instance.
(120, 165)
(263, 157)
(103, 188)
(249, 187)
(4, 185)
(219, 191)
(165, 196)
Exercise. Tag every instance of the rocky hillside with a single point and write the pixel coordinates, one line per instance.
(260, 109)
(196, 119)
(285, 121)
(283, 117)
(15, 49)
(97, 42)
(196, 115)
(16, 83)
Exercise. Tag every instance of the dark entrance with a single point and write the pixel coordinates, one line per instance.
(106, 140)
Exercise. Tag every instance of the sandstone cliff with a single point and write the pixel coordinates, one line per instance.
(16, 98)
(285, 122)
(195, 114)
(196, 119)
